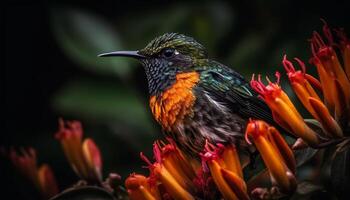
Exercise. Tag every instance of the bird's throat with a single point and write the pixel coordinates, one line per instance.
(159, 75)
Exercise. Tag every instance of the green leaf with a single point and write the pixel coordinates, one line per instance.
(156, 23)
(104, 102)
(304, 155)
(255, 168)
(316, 126)
(306, 190)
(340, 173)
(83, 36)
(248, 47)
(186, 18)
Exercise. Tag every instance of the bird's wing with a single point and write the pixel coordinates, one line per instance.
(230, 89)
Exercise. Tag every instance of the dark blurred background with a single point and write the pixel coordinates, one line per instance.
(49, 67)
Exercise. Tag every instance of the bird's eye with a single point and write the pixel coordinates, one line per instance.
(169, 52)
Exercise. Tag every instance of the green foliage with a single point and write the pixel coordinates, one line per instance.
(340, 173)
(103, 102)
(83, 36)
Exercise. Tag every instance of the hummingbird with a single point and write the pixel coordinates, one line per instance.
(194, 98)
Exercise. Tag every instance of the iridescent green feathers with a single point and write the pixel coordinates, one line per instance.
(231, 89)
(183, 44)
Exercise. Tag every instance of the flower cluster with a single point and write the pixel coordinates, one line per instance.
(174, 175)
(275, 152)
(171, 175)
(225, 169)
(333, 77)
(331, 111)
(283, 110)
(41, 176)
(83, 155)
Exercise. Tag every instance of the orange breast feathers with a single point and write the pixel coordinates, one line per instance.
(176, 102)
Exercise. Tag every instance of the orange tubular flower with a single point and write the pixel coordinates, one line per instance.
(93, 157)
(300, 82)
(170, 183)
(84, 156)
(176, 163)
(139, 188)
(275, 152)
(47, 181)
(171, 175)
(42, 177)
(226, 171)
(335, 83)
(283, 110)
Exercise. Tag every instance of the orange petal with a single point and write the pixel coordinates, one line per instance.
(175, 162)
(93, 159)
(327, 121)
(138, 188)
(303, 96)
(178, 174)
(146, 194)
(341, 76)
(48, 184)
(70, 135)
(284, 97)
(274, 164)
(334, 70)
(219, 180)
(283, 148)
(231, 159)
(342, 105)
(259, 132)
(295, 122)
(236, 184)
(327, 85)
(280, 121)
(314, 82)
(170, 183)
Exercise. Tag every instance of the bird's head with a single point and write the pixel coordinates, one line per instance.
(166, 56)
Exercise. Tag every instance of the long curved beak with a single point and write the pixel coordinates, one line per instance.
(132, 54)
